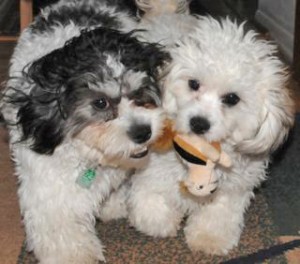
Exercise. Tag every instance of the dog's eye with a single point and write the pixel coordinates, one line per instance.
(101, 103)
(230, 99)
(194, 84)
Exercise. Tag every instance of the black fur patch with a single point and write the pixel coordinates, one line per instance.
(82, 53)
(83, 16)
(122, 5)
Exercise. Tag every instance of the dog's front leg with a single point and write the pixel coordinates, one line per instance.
(58, 215)
(216, 227)
(153, 201)
(58, 234)
(153, 214)
(115, 207)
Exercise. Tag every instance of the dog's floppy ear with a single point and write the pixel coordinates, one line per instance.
(277, 117)
(40, 116)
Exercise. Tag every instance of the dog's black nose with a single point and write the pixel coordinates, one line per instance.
(199, 125)
(140, 133)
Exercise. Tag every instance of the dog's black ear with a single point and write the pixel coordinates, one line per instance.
(42, 124)
(40, 114)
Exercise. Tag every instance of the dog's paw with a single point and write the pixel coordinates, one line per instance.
(155, 217)
(210, 243)
(88, 251)
(79, 258)
(112, 211)
(115, 207)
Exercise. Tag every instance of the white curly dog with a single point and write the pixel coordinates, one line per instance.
(226, 85)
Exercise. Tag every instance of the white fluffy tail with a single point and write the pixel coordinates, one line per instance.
(158, 7)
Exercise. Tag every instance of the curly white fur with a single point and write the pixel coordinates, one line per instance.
(227, 63)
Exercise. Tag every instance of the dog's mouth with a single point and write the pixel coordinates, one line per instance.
(138, 154)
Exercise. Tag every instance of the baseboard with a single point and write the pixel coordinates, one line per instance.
(8, 38)
(283, 37)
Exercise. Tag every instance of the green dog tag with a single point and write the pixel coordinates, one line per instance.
(87, 178)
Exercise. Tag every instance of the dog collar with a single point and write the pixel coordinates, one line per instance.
(87, 178)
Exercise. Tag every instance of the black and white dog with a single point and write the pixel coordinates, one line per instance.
(82, 107)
